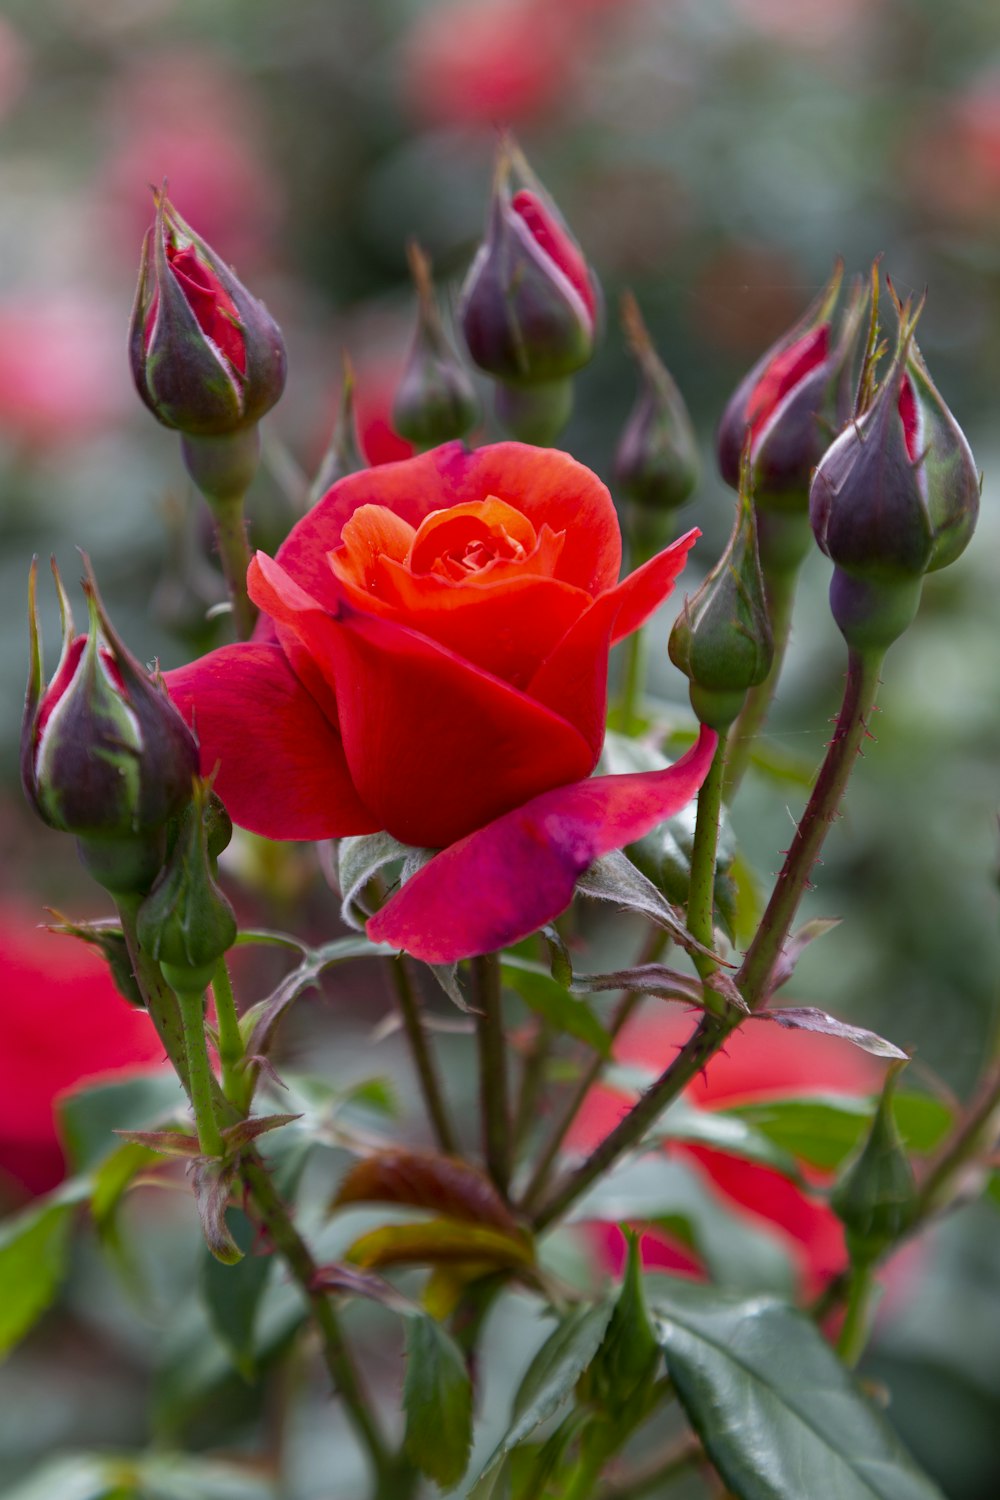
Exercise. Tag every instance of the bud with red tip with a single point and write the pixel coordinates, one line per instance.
(530, 306)
(435, 401)
(793, 401)
(104, 753)
(207, 358)
(895, 497)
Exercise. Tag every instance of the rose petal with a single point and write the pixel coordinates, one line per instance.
(436, 747)
(573, 679)
(506, 880)
(645, 589)
(282, 771)
(544, 484)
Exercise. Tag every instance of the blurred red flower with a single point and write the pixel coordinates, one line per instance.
(62, 377)
(63, 1023)
(759, 1062)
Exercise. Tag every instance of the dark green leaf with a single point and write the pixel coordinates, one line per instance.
(34, 1249)
(113, 1177)
(437, 1400)
(822, 1129)
(779, 1415)
(89, 1117)
(232, 1293)
(563, 1011)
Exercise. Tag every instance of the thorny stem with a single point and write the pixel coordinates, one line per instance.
(492, 1068)
(231, 1049)
(423, 1057)
(754, 977)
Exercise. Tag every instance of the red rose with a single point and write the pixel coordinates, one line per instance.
(758, 1063)
(63, 1022)
(432, 660)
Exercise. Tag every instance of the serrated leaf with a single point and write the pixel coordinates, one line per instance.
(245, 1131)
(808, 1018)
(437, 1400)
(89, 1118)
(779, 1415)
(549, 1379)
(441, 1242)
(568, 1014)
(34, 1252)
(232, 1293)
(425, 1179)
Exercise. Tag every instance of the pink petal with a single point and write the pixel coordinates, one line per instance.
(645, 589)
(282, 771)
(506, 880)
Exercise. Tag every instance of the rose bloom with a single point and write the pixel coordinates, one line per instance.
(64, 1024)
(432, 660)
(759, 1062)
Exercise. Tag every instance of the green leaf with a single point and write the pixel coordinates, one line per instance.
(232, 1293)
(723, 1132)
(615, 878)
(822, 1129)
(549, 1379)
(114, 1176)
(437, 1400)
(548, 999)
(88, 1118)
(779, 1415)
(34, 1253)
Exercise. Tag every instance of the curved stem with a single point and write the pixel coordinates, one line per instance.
(754, 977)
(423, 1057)
(492, 1068)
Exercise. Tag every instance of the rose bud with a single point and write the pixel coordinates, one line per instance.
(435, 400)
(656, 465)
(793, 401)
(530, 304)
(722, 638)
(895, 496)
(186, 922)
(207, 358)
(343, 452)
(104, 753)
(876, 1194)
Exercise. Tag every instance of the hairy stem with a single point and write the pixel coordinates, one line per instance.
(492, 1068)
(423, 1057)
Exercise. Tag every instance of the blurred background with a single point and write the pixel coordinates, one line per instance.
(714, 156)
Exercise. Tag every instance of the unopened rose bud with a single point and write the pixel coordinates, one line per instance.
(530, 304)
(656, 465)
(895, 496)
(104, 753)
(722, 638)
(207, 358)
(876, 1194)
(435, 400)
(186, 923)
(793, 402)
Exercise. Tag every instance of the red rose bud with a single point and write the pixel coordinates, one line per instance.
(895, 496)
(792, 402)
(529, 306)
(186, 922)
(876, 1194)
(435, 401)
(206, 356)
(104, 753)
(722, 638)
(656, 465)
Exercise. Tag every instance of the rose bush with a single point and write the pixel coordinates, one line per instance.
(431, 660)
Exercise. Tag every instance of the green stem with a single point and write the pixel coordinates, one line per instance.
(532, 1079)
(974, 1134)
(161, 1002)
(701, 890)
(234, 555)
(779, 585)
(223, 468)
(423, 1058)
(492, 1068)
(633, 682)
(855, 1327)
(754, 977)
(200, 1075)
(231, 1049)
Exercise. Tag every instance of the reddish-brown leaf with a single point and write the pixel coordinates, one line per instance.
(423, 1179)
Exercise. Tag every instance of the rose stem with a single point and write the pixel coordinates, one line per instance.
(627, 719)
(200, 1077)
(423, 1057)
(223, 468)
(701, 889)
(234, 554)
(783, 541)
(627, 1002)
(492, 1067)
(164, 1010)
(754, 976)
(533, 1067)
(853, 1334)
(231, 1049)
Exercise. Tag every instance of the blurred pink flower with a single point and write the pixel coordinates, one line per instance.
(188, 119)
(63, 1023)
(759, 1062)
(63, 373)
